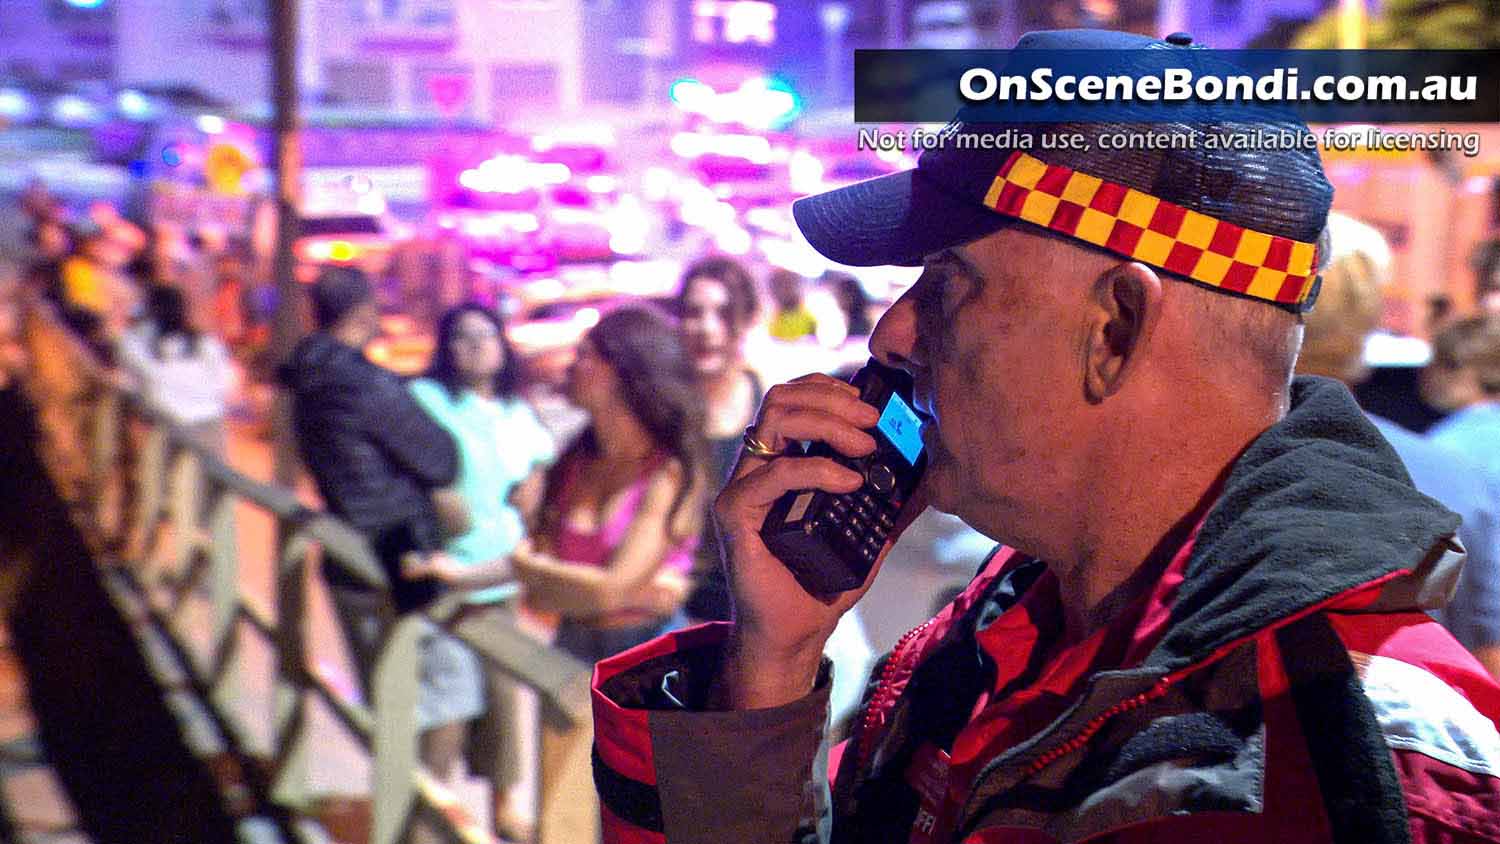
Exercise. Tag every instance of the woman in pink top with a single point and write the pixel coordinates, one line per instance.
(622, 509)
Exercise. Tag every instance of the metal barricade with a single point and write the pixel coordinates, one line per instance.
(181, 533)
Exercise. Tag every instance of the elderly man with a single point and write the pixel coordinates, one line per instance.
(1205, 622)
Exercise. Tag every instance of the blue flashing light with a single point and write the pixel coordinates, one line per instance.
(85, 4)
(171, 155)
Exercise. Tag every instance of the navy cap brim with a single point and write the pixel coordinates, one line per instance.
(891, 220)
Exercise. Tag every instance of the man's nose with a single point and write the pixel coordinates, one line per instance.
(894, 341)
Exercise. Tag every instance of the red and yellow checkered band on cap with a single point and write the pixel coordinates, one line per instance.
(1153, 231)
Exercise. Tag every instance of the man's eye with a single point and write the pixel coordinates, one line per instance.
(931, 286)
(929, 300)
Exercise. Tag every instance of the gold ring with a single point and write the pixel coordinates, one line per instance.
(758, 448)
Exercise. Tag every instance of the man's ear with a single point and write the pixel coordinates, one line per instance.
(1125, 303)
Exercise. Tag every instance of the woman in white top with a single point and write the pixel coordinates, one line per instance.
(181, 373)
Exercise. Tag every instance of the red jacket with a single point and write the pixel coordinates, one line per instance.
(1292, 690)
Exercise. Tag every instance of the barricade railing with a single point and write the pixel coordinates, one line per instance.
(179, 529)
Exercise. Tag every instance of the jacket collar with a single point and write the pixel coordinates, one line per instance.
(1319, 505)
(1278, 543)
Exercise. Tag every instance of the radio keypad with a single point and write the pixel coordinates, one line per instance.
(861, 522)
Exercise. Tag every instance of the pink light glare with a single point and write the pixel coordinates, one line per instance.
(513, 174)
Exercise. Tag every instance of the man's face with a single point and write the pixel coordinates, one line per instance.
(1448, 385)
(992, 333)
(707, 326)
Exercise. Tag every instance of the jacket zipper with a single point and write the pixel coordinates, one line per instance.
(884, 696)
(1077, 742)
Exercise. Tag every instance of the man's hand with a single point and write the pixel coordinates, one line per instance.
(780, 630)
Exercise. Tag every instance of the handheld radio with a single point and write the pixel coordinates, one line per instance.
(830, 541)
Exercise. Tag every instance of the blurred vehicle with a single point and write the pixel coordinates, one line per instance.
(860, 165)
(358, 239)
(578, 235)
(746, 163)
(345, 220)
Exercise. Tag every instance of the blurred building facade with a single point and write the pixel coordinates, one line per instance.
(477, 59)
(440, 58)
(56, 41)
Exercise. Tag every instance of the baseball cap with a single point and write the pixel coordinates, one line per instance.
(1241, 219)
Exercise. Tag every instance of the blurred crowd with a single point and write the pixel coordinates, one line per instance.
(99, 269)
(458, 485)
(462, 480)
(599, 520)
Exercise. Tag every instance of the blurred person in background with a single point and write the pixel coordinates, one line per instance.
(377, 458)
(37, 202)
(131, 259)
(852, 301)
(1348, 311)
(716, 305)
(621, 515)
(1464, 379)
(471, 389)
(100, 296)
(231, 304)
(50, 245)
(1486, 263)
(88, 285)
(260, 301)
(12, 345)
(182, 373)
(625, 502)
(454, 278)
(791, 318)
(181, 259)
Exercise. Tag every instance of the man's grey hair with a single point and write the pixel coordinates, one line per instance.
(1250, 335)
(1254, 336)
